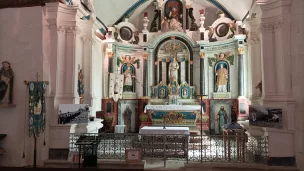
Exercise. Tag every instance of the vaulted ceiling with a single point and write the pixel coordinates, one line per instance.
(111, 11)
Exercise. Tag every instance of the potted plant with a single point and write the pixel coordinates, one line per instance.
(91, 118)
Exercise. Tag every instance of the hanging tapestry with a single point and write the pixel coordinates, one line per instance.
(36, 107)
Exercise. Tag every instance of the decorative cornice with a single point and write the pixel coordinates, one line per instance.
(255, 40)
(22, 3)
(61, 29)
(89, 41)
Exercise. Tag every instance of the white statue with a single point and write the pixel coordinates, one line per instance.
(173, 68)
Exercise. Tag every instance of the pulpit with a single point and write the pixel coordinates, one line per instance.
(234, 138)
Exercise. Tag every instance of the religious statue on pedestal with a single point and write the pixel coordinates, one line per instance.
(128, 82)
(173, 68)
(221, 118)
(6, 83)
(221, 78)
(80, 86)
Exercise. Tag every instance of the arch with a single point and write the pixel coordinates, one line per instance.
(178, 35)
(189, 43)
(216, 67)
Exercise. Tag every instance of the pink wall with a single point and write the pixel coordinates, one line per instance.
(21, 45)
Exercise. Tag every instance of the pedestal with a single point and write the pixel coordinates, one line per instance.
(128, 95)
(222, 95)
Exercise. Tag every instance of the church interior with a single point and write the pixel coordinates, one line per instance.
(142, 84)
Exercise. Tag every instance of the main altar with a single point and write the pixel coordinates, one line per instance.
(154, 75)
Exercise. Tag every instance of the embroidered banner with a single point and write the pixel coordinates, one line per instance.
(36, 107)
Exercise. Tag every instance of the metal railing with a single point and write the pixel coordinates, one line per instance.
(180, 147)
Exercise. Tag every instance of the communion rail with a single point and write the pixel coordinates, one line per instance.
(186, 148)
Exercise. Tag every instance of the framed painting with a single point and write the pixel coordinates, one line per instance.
(220, 114)
(265, 116)
(128, 115)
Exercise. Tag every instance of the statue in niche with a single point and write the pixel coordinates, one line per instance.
(173, 68)
(221, 74)
(128, 82)
(6, 83)
(80, 85)
(127, 118)
(221, 118)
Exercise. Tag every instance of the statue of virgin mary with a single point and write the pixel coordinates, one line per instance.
(173, 68)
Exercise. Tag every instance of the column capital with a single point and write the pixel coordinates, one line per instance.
(88, 40)
(73, 29)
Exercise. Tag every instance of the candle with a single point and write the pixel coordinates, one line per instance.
(146, 14)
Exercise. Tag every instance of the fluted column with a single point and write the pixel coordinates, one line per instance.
(277, 75)
(88, 69)
(254, 57)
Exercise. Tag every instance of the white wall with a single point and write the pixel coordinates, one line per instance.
(21, 45)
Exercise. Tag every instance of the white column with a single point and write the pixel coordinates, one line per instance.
(254, 58)
(277, 84)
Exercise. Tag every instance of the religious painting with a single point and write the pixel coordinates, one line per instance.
(6, 83)
(174, 10)
(265, 116)
(129, 72)
(220, 115)
(222, 77)
(128, 115)
(73, 113)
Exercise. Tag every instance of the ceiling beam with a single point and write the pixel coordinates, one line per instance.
(130, 10)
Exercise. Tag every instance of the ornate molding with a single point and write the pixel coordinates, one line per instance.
(73, 29)
(255, 40)
(270, 26)
(241, 51)
(89, 41)
(61, 29)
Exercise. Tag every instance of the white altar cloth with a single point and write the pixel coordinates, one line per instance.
(173, 107)
(151, 130)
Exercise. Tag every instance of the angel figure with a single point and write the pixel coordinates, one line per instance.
(222, 56)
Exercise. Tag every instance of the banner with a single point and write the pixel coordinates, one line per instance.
(36, 107)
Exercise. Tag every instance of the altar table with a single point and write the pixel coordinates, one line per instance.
(173, 108)
(150, 130)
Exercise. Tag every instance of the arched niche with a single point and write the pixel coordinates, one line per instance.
(127, 67)
(187, 49)
(225, 70)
